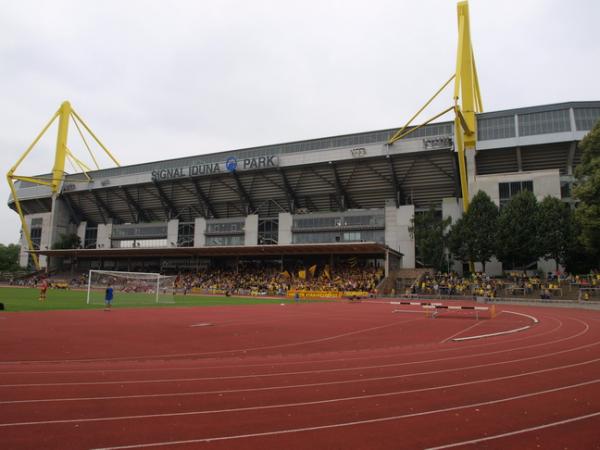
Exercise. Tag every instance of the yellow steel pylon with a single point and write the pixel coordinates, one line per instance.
(467, 101)
(64, 114)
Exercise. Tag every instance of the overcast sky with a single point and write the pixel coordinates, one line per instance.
(158, 80)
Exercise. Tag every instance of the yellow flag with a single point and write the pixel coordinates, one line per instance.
(312, 270)
(285, 273)
(302, 274)
(326, 273)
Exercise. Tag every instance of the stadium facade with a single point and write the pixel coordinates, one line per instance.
(332, 197)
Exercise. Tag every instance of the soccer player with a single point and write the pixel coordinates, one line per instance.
(108, 297)
(43, 288)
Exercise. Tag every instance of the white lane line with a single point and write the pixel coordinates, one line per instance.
(500, 333)
(533, 319)
(345, 369)
(219, 352)
(513, 433)
(311, 403)
(460, 332)
(272, 364)
(357, 422)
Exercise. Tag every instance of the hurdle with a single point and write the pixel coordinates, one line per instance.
(432, 310)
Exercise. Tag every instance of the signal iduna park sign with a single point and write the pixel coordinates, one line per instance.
(231, 164)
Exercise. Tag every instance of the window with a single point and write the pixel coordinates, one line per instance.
(268, 231)
(585, 118)
(185, 234)
(139, 243)
(224, 240)
(91, 237)
(544, 122)
(224, 228)
(496, 128)
(509, 190)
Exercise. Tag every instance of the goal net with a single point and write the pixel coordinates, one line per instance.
(130, 288)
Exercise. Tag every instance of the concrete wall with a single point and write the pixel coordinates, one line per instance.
(545, 182)
(453, 208)
(172, 232)
(199, 229)
(397, 236)
(104, 234)
(285, 228)
(251, 230)
(81, 231)
(45, 238)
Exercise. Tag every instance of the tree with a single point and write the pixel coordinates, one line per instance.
(458, 241)
(587, 191)
(473, 237)
(9, 257)
(428, 231)
(555, 229)
(517, 233)
(67, 241)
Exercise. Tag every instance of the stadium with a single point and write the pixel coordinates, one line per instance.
(320, 199)
(274, 297)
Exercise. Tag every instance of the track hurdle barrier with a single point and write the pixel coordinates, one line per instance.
(432, 310)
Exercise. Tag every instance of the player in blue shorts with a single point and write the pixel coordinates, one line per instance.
(108, 298)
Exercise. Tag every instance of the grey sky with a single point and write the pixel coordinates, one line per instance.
(158, 80)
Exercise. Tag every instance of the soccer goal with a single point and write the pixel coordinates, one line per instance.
(130, 288)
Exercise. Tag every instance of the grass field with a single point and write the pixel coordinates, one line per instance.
(26, 299)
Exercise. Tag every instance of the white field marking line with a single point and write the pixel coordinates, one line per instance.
(460, 332)
(344, 369)
(501, 333)
(513, 433)
(220, 352)
(532, 318)
(345, 359)
(329, 383)
(358, 422)
(299, 404)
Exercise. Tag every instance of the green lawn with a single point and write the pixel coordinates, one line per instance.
(26, 299)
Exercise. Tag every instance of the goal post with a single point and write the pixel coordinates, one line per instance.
(130, 287)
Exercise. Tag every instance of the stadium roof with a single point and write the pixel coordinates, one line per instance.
(357, 248)
(354, 171)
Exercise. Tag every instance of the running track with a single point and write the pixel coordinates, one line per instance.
(316, 376)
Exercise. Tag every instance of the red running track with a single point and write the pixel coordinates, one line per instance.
(318, 376)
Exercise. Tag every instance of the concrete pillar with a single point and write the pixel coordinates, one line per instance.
(285, 228)
(172, 232)
(453, 208)
(397, 236)
(104, 235)
(199, 229)
(60, 221)
(81, 232)
(471, 171)
(251, 230)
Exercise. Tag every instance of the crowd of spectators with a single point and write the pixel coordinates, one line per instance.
(273, 281)
(513, 284)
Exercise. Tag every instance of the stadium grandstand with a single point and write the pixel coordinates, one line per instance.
(321, 200)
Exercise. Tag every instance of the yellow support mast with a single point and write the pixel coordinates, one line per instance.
(467, 101)
(64, 114)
